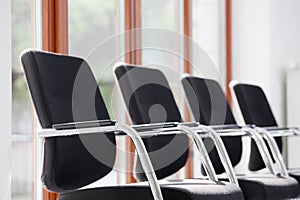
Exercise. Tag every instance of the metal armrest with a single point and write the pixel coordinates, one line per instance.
(179, 128)
(188, 128)
(138, 143)
(221, 151)
(282, 131)
(84, 124)
(264, 152)
(268, 134)
(225, 126)
(274, 149)
(50, 132)
(201, 147)
(231, 130)
(276, 128)
(154, 126)
(196, 131)
(144, 158)
(248, 130)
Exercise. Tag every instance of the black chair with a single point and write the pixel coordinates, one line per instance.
(209, 106)
(66, 96)
(256, 109)
(149, 99)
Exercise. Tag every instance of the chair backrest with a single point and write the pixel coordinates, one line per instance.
(255, 109)
(148, 98)
(209, 107)
(63, 89)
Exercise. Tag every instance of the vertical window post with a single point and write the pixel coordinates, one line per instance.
(228, 49)
(55, 39)
(187, 13)
(133, 55)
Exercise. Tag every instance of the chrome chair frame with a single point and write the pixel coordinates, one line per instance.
(269, 133)
(136, 132)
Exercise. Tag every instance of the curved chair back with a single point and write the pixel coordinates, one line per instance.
(148, 98)
(63, 90)
(209, 107)
(255, 109)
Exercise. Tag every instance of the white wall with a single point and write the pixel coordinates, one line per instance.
(5, 100)
(285, 47)
(251, 41)
(265, 37)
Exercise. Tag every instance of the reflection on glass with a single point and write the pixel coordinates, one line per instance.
(166, 18)
(208, 18)
(162, 43)
(208, 29)
(90, 26)
(22, 38)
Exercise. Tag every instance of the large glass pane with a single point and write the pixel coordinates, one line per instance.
(162, 39)
(92, 35)
(208, 34)
(162, 43)
(92, 27)
(208, 22)
(22, 38)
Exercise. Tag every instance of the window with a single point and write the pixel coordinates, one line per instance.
(22, 112)
(91, 26)
(208, 31)
(96, 33)
(162, 43)
(162, 40)
(93, 35)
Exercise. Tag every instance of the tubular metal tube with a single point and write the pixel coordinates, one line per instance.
(144, 158)
(262, 148)
(274, 149)
(203, 153)
(222, 153)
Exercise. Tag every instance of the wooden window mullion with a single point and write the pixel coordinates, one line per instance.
(228, 49)
(54, 39)
(55, 26)
(133, 56)
(187, 20)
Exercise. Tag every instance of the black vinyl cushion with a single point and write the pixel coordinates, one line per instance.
(256, 110)
(268, 187)
(69, 162)
(209, 106)
(185, 190)
(149, 99)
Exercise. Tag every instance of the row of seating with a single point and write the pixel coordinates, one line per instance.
(80, 144)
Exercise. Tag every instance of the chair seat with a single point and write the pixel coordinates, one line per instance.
(268, 187)
(173, 190)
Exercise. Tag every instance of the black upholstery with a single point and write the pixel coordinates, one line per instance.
(68, 161)
(209, 107)
(182, 190)
(268, 187)
(256, 110)
(138, 86)
(63, 90)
